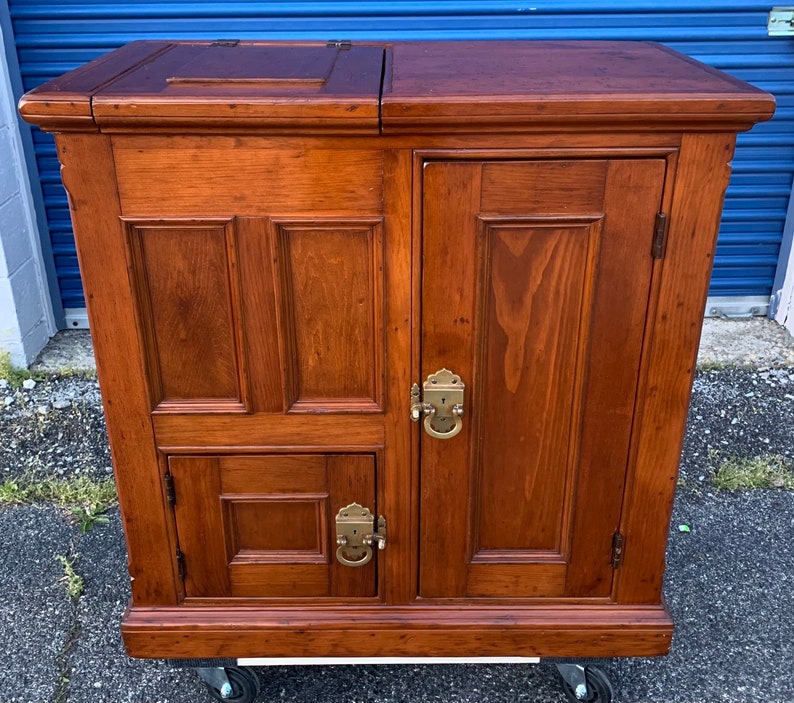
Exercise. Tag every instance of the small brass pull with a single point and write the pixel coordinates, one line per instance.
(441, 406)
(355, 535)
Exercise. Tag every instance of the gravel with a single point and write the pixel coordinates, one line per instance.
(729, 582)
(54, 429)
(737, 412)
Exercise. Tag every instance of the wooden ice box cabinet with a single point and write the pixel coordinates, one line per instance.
(292, 250)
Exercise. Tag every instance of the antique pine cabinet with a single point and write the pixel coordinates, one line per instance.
(279, 240)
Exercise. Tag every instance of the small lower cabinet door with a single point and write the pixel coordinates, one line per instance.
(264, 526)
(535, 285)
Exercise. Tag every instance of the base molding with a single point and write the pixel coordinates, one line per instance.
(399, 631)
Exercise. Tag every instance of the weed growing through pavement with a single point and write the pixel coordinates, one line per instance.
(88, 516)
(73, 580)
(766, 471)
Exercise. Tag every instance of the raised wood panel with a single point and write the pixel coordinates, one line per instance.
(530, 368)
(277, 528)
(330, 292)
(184, 274)
(217, 178)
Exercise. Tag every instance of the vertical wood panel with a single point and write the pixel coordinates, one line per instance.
(200, 525)
(188, 293)
(535, 293)
(331, 292)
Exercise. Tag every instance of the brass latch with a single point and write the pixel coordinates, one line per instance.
(355, 535)
(441, 404)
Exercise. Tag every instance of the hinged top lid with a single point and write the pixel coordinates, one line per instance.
(322, 87)
(509, 85)
(441, 87)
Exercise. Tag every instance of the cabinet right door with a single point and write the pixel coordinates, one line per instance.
(536, 278)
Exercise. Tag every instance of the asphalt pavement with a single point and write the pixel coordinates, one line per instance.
(729, 579)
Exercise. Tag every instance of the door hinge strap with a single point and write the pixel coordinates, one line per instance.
(617, 549)
(180, 563)
(170, 493)
(659, 236)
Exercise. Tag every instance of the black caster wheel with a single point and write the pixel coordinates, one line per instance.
(599, 689)
(244, 686)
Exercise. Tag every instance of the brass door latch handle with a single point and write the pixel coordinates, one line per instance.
(355, 535)
(441, 404)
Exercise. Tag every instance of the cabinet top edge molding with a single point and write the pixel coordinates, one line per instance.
(393, 88)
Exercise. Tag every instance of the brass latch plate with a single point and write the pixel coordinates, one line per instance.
(441, 404)
(355, 534)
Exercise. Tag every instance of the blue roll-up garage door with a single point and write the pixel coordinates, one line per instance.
(52, 37)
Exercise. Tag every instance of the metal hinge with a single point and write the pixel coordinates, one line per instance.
(170, 493)
(180, 563)
(343, 44)
(659, 235)
(781, 22)
(617, 549)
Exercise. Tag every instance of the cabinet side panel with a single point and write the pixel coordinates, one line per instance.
(669, 360)
(90, 181)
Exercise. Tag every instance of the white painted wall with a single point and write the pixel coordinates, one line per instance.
(26, 318)
(785, 310)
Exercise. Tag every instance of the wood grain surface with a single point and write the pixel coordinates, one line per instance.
(277, 240)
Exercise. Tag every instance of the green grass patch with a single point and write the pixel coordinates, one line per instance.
(66, 492)
(767, 471)
(13, 375)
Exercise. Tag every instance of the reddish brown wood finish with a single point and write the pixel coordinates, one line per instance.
(536, 428)
(546, 630)
(266, 524)
(524, 86)
(262, 296)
